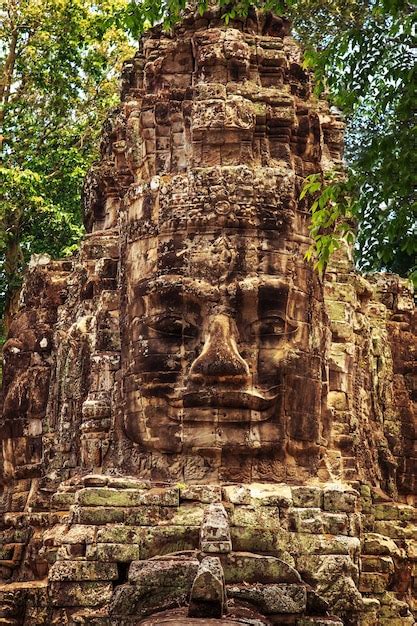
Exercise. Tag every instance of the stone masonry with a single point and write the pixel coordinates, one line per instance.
(197, 428)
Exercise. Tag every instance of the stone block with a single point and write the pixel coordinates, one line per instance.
(82, 594)
(338, 400)
(339, 500)
(391, 606)
(396, 621)
(382, 564)
(164, 572)
(337, 311)
(270, 599)
(127, 482)
(305, 543)
(207, 598)
(396, 530)
(411, 549)
(122, 552)
(237, 494)
(374, 543)
(186, 515)
(82, 570)
(99, 515)
(324, 569)
(253, 568)
(106, 496)
(119, 533)
(271, 495)
(215, 531)
(319, 621)
(386, 511)
(307, 496)
(336, 524)
(407, 513)
(372, 582)
(201, 493)
(245, 539)
(155, 585)
(62, 500)
(308, 520)
(164, 540)
(75, 534)
(265, 517)
(148, 515)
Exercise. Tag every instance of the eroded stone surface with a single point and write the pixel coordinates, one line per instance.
(189, 411)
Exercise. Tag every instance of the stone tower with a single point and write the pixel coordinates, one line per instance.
(196, 427)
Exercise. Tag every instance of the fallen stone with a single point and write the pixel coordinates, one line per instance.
(270, 599)
(155, 585)
(207, 597)
(252, 568)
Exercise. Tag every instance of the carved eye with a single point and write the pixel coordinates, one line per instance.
(271, 327)
(171, 326)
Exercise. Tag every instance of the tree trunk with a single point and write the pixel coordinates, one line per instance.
(7, 79)
(12, 267)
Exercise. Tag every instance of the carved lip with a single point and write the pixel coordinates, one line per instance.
(217, 398)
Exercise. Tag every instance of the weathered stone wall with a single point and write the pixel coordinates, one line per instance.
(196, 426)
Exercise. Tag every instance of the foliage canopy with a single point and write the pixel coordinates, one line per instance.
(59, 78)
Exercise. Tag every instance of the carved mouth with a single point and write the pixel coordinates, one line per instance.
(232, 399)
(227, 399)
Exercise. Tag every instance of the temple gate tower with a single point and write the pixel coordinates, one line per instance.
(198, 428)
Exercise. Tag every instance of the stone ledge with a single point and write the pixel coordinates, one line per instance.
(106, 496)
(82, 571)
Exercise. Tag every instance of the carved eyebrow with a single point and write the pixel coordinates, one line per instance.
(256, 284)
(176, 284)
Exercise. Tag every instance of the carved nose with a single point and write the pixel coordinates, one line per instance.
(220, 359)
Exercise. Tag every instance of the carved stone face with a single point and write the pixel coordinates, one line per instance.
(226, 339)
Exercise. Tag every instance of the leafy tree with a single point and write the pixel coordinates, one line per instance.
(366, 62)
(59, 78)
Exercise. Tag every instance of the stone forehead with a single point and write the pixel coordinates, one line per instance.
(235, 198)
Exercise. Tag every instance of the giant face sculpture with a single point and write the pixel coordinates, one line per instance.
(226, 331)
